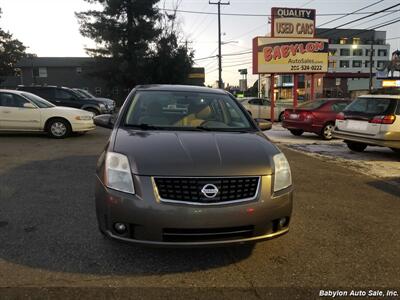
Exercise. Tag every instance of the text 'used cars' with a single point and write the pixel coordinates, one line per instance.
(187, 166)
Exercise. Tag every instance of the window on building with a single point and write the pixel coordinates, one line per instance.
(97, 90)
(357, 52)
(357, 63)
(115, 91)
(344, 52)
(382, 52)
(344, 64)
(43, 72)
(368, 52)
(356, 41)
(78, 70)
(343, 41)
(367, 63)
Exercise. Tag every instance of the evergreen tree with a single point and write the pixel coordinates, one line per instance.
(140, 43)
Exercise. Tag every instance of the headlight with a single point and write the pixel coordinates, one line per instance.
(283, 176)
(118, 173)
(84, 118)
(101, 105)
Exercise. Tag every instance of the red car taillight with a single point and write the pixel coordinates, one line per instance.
(306, 115)
(388, 119)
(340, 116)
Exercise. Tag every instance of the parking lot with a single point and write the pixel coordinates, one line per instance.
(344, 232)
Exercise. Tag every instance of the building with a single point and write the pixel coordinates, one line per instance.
(74, 72)
(351, 52)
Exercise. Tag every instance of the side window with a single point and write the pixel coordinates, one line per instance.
(64, 95)
(266, 102)
(255, 101)
(339, 106)
(10, 100)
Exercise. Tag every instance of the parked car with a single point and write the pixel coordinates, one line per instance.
(63, 96)
(261, 107)
(86, 94)
(314, 116)
(371, 120)
(23, 111)
(175, 172)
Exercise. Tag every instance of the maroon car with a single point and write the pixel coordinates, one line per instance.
(314, 116)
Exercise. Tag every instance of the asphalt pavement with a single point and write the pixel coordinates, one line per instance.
(344, 235)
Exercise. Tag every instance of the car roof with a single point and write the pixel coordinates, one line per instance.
(180, 88)
(380, 96)
(12, 91)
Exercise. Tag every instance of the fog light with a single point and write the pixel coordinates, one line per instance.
(120, 228)
(282, 222)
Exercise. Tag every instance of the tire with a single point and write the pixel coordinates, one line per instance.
(58, 128)
(280, 119)
(326, 132)
(296, 132)
(355, 146)
(93, 110)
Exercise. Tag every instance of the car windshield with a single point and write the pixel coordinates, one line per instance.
(372, 106)
(186, 111)
(81, 94)
(85, 93)
(312, 104)
(40, 102)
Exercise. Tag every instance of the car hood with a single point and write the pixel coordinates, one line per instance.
(63, 110)
(177, 153)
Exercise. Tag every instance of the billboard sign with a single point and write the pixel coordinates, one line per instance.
(293, 22)
(290, 55)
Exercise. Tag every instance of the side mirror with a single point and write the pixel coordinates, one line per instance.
(263, 124)
(106, 121)
(29, 105)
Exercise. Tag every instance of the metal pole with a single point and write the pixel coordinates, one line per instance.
(295, 87)
(272, 96)
(312, 87)
(219, 47)
(370, 65)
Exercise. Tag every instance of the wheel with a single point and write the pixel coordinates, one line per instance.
(355, 146)
(280, 119)
(296, 132)
(58, 128)
(326, 133)
(93, 110)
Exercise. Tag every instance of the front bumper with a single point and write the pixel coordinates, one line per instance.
(385, 141)
(149, 220)
(83, 126)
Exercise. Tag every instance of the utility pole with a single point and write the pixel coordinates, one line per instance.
(370, 65)
(219, 3)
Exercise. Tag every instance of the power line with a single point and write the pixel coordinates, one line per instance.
(398, 19)
(258, 15)
(362, 18)
(351, 13)
(379, 17)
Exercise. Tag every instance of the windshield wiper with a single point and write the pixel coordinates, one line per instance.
(143, 126)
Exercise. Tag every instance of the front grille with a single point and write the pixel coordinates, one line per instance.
(190, 189)
(206, 234)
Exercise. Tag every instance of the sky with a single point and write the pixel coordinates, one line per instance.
(50, 28)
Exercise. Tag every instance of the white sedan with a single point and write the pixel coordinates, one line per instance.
(22, 111)
(261, 108)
